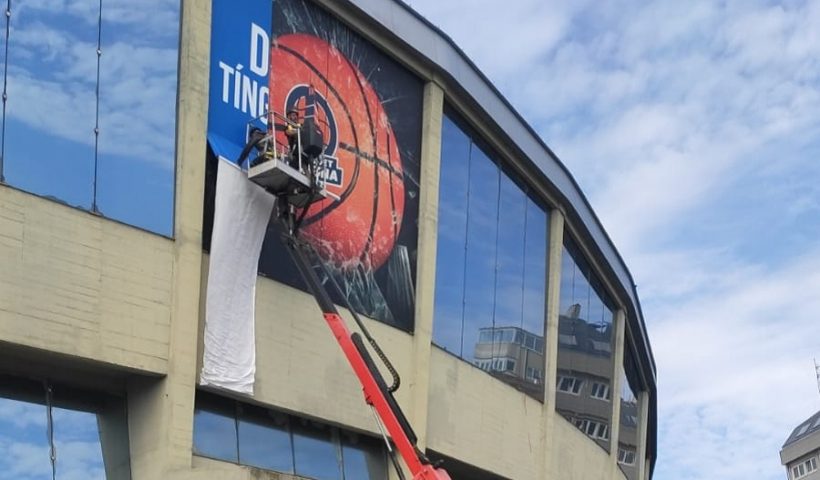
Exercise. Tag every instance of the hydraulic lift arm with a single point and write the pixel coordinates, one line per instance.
(375, 389)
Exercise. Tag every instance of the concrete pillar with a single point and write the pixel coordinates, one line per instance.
(161, 410)
(419, 385)
(643, 421)
(555, 249)
(615, 393)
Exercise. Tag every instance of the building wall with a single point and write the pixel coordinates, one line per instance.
(78, 284)
(126, 300)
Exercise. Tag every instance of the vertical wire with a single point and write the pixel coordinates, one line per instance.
(52, 450)
(97, 112)
(524, 260)
(495, 260)
(466, 237)
(5, 94)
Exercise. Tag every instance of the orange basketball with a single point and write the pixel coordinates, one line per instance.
(364, 164)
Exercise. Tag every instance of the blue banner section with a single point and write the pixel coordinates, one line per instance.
(240, 47)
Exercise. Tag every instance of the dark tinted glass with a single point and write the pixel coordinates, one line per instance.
(315, 453)
(264, 439)
(215, 433)
(363, 458)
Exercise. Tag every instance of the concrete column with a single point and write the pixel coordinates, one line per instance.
(161, 410)
(555, 249)
(426, 264)
(615, 392)
(643, 420)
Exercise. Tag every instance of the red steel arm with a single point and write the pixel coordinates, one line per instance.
(374, 390)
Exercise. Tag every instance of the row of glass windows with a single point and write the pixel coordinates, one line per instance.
(248, 435)
(89, 97)
(491, 262)
(490, 297)
(53, 431)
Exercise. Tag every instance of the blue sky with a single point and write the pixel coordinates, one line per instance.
(694, 130)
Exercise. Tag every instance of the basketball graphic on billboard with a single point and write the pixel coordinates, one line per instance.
(362, 162)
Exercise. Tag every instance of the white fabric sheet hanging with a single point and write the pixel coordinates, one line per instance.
(241, 213)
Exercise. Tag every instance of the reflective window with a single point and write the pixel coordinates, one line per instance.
(491, 263)
(137, 112)
(264, 439)
(361, 459)
(585, 363)
(89, 118)
(630, 416)
(315, 451)
(236, 432)
(85, 433)
(215, 429)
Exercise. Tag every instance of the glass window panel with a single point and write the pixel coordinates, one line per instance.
(138, 84)
(215, 429)
(480, 280)
(492, 268)
(50, 116)
(315, 452)
(509, 304)
(77, 441)
(264, 439)
(90, 433)
(630, 413)
(24, 451)
(585, 349)
(452, 240)
(364, 458)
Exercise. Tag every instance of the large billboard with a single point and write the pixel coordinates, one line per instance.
(368, 106)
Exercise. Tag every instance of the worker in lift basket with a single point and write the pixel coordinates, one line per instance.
(292, 131)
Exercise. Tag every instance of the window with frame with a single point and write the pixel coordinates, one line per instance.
(245, 434)
(569, 384)
(90, 106)
(593, 428)
(85, 432)
(535, 374)
(491, 261)
(585, 336)
(804, 468)
(600, 391)
(626, 456)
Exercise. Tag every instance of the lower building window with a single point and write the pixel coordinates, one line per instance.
(236, 432)
(626, 456)
(804, 468)
(50, 430)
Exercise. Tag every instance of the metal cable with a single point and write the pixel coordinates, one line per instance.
(5, 93)
(391, 452)
(466, 237)
(524, 259)
(52, 450)
(97, 112)
(372, 341)
(495, 258)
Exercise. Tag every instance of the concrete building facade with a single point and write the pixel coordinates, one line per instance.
(102, 321)
(801, 451)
